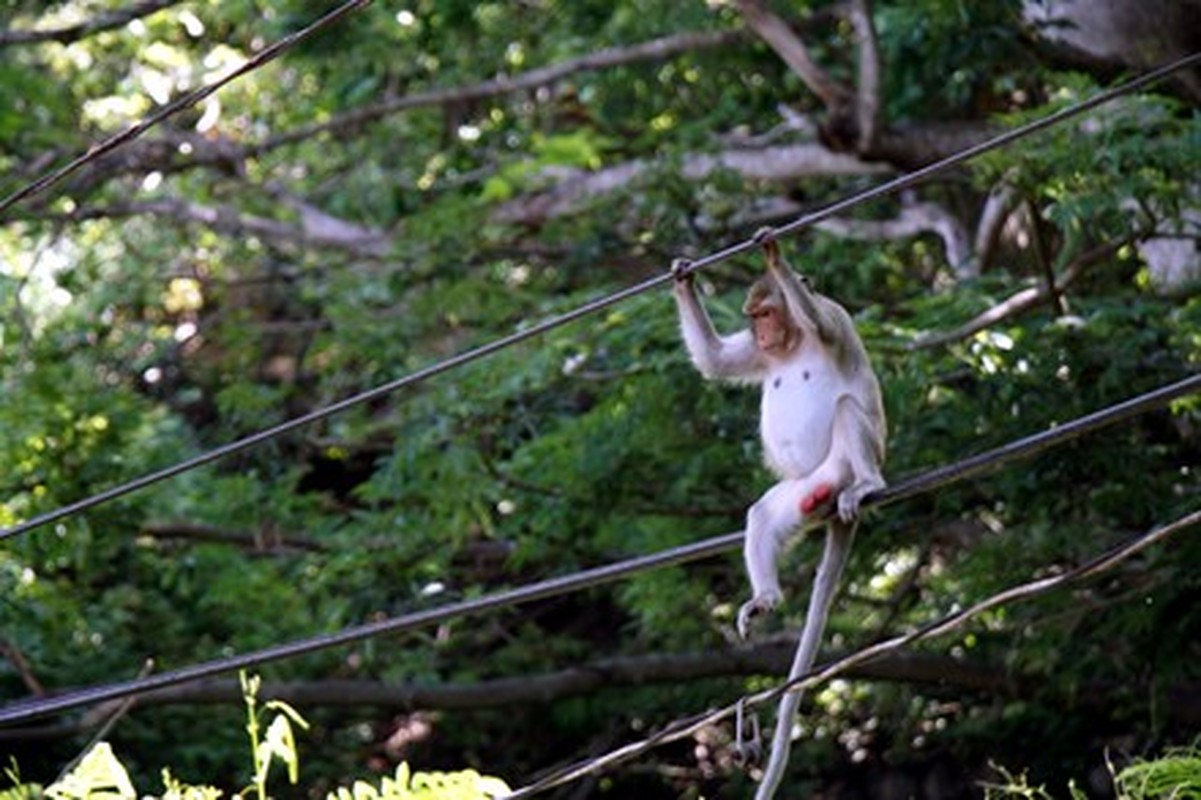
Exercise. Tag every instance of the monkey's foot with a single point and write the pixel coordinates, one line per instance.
(850, 498)
(819, 496)
(757, 606)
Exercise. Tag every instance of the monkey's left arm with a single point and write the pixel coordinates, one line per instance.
(805, 305)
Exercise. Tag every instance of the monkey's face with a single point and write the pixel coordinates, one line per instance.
(773, 334)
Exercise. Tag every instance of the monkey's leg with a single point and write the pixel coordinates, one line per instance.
(839, 537)
(854, 436)
(768, 523)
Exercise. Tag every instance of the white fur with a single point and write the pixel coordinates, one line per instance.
(822, 424)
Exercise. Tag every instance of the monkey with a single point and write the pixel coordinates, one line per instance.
(822, 428)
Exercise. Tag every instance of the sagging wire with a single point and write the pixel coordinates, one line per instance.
(190, 99)
(687, 727)
(807, 220)
(23, 711)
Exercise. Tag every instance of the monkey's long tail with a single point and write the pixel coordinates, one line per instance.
(839, 537)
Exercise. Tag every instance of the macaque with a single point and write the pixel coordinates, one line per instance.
(822, 426)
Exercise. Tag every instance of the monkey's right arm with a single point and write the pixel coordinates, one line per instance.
(733, 357)
(804, 305)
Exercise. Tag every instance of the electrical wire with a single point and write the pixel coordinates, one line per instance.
(23, 711)
(895, 185)
(686, 727)
(187, 101)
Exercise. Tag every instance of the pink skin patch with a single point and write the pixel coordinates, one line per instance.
(817, 497)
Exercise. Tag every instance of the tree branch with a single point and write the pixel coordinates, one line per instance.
(773, 658)
(853, 118)
(172, 151)
(21, 664)
(915, 218)
(998, 207)
(1027, 298)
(768, 659)
(576, 187)
(867, 94)
(316, 229)
(914, 147)
(654, 50)
(177, 151)
(779, 36)
(104, 21)
(1038, 239)
(266, 540)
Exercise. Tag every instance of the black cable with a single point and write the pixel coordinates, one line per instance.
(808, 220)
(22, 711)
(1032, 445)
(187, 101)
(685, 727)
(972, 466)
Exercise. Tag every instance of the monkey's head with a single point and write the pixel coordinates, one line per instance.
(775, 332)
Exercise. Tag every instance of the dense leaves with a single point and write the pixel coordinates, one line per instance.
(369, 204)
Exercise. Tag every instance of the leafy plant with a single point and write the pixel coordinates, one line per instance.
(100, 775)
(464, 785)
(1176, 775)
(279, 742)
(1017, 787)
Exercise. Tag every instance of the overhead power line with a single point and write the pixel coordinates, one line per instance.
(970, 467)
(687, 727)
(187, 101)
(895, 185)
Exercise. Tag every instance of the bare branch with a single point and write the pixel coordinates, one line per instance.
(771, 658)
(21, 664)
(575, 187)
(915, 218)
(315, 229)
(1052, 293)
(176, 151)
(1028, 298)
(775, 32)
(998, 207)
(654, 50)
(767, 659)
(104, 21)
(914, 147)
(867, 94)
(171, 151)
(265, 540)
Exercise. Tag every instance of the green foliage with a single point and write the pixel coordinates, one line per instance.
(933, 47)
(465, 785)
(100, 775)
(1122, 180)
(1017, 787)
(278, 744)
(181, 295)
(1177, 774)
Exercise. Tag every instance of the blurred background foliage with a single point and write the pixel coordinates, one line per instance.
(313, 230)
